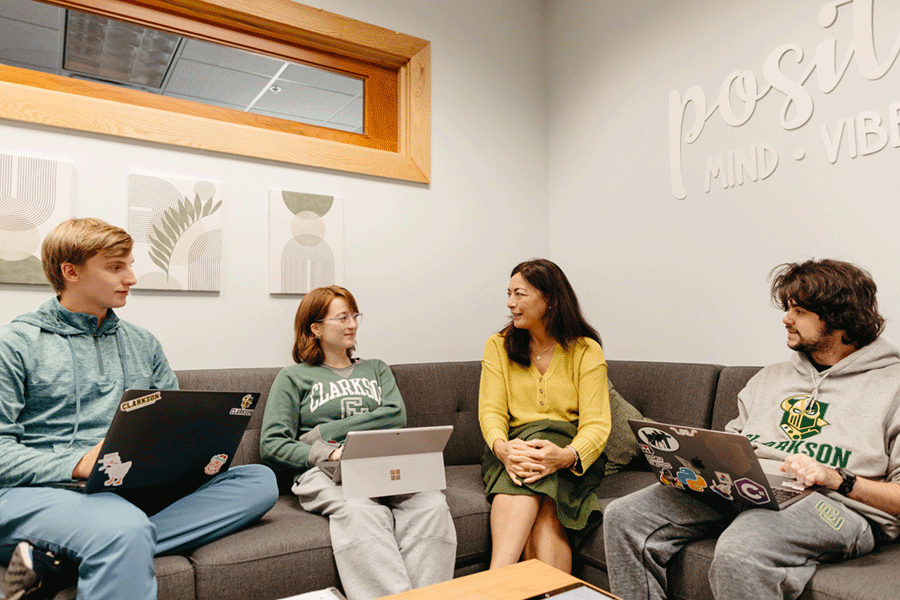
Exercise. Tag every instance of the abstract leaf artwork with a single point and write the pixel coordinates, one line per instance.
(306, 241)
(35, 197)
(177, 231)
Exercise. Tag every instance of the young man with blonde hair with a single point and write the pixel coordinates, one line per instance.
(63, 369)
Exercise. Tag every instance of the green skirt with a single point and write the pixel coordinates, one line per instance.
(577, 507)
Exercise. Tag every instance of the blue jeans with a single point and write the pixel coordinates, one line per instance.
(114, 542)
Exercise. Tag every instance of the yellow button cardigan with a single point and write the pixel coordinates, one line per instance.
(574, 387)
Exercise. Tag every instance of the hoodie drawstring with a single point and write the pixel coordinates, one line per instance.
(122, 359)
(816, 381)
(77, 382)
(77, 391)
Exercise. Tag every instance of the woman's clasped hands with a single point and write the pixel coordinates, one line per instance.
(528, 461)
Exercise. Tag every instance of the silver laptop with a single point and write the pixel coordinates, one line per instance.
(388, 462)
(716, 463)
(162, 437)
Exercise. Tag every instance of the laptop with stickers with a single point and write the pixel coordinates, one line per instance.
(163, 437)
(717, 463)
(388, 462)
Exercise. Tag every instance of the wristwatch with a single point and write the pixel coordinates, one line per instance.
(849, 481)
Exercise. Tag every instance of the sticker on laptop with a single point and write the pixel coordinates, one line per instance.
(115, 469)
(141, 402)
(215, 464)
(691, 479)
(658, 462)
(722, 489)
(752, 491)
(682, 431)
(658, 439)
(244, 410)
(666, 478)
(723, 478)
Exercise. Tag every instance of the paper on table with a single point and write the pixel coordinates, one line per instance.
(331, 593)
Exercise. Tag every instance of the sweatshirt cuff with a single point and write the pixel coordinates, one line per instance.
(494, 435)
(321, 452)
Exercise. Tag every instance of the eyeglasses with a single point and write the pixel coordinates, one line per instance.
(344, 318)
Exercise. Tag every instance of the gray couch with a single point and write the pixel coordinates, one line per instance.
(289, 551)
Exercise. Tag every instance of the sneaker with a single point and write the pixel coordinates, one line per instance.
(33, 574)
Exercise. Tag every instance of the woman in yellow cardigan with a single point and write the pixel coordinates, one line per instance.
(544, 412)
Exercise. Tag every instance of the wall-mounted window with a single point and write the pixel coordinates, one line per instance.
(274, 80)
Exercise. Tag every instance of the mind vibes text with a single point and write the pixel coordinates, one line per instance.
(741, 91)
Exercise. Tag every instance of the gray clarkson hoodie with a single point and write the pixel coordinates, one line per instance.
(61, 379)
(846, 416)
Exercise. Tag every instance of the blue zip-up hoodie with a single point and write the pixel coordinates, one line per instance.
(61, 379)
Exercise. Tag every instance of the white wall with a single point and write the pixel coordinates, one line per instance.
(427, 263)
(559, 107)
(686, 280)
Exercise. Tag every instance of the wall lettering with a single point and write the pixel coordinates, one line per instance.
(738, 96)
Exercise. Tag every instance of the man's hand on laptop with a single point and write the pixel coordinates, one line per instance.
(86, 464)
(808, 471)
(336, 454)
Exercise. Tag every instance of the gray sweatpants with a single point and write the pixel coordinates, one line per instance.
(760, 554)
(386, 545)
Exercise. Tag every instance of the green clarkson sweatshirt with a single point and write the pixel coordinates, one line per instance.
(311, 409)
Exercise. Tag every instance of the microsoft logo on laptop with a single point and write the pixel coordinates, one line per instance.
(395, 474)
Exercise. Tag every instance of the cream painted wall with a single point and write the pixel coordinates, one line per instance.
(428, 264)
(686, 279)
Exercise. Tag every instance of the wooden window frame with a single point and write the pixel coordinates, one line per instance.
(397, 69)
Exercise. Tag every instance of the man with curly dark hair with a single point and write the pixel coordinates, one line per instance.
(831, 415)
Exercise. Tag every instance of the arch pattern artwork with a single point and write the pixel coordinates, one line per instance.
(204, 261)
(35, 196)
(177, 229)
(306, 241)
(148, 199)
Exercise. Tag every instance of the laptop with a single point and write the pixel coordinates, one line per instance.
(388, 462)
(162, 437)
(717, 463)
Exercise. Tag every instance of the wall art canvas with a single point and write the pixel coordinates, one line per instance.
(306, 241)
(35, 197)
(177, 229)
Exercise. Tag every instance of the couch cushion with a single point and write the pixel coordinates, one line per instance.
(286, 553)
(731, 381)
(868, 578)
(593, 551)
(471, 515)
(871, 577)
(680, 393)
(174, 578)
(445, 394)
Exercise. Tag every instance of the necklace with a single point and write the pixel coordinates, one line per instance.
(538, 355)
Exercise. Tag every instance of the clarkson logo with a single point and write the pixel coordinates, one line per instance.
(801, 421)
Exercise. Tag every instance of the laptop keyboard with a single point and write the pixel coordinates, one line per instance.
(783, 494)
